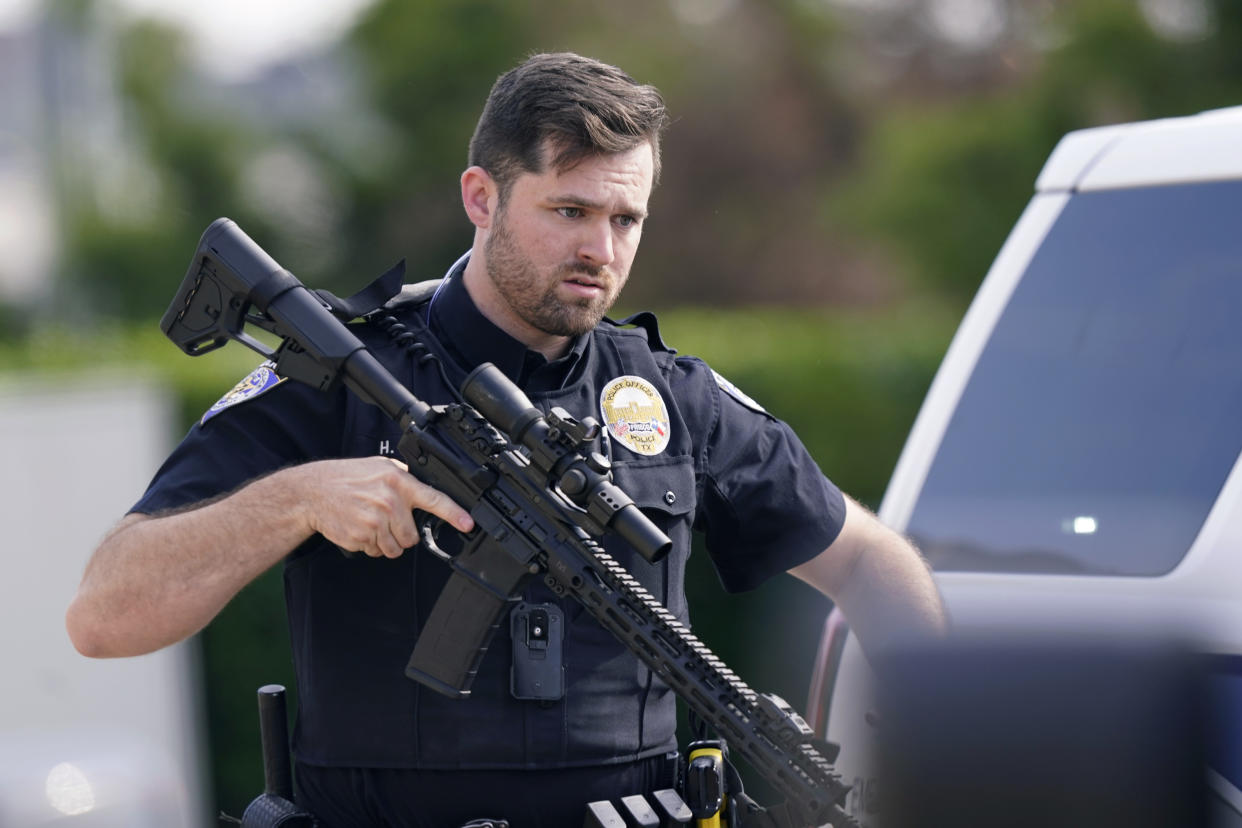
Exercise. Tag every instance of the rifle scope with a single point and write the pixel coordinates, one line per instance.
(499, 400)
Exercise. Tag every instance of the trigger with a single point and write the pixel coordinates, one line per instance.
(427, 527)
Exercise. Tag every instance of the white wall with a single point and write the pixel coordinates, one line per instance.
(115, 741)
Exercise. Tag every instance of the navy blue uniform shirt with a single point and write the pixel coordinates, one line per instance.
(693, 452)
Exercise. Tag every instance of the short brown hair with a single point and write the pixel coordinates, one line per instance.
(584, 106)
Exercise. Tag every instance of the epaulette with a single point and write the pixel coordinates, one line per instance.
(648, 322)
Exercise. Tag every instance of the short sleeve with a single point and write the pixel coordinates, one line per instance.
(765, 506)
(236, 443)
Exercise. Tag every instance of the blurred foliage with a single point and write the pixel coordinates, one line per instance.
(942, 182)
(810, 164)
(788, 180)
(121, 266)
(429, 85)
(429, 88)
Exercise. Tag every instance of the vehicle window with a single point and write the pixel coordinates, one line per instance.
(1106, 409)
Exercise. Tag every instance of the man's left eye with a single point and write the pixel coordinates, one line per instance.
(626, 221)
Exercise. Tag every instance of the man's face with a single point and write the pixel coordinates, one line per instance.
(561, 245)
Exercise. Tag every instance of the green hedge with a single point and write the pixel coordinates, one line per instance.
(849, 382)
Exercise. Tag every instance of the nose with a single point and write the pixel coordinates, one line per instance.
(595, 247)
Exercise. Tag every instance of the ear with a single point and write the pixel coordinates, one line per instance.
(479, 196)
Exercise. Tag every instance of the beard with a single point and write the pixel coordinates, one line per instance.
(532, 295)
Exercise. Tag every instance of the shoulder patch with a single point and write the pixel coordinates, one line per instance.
(260, 380)
(737, 394)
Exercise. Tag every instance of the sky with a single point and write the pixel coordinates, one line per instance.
(233, 38)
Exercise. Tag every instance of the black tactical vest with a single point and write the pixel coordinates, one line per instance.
(354, 620)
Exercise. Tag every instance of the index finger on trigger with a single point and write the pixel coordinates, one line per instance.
(436, 502)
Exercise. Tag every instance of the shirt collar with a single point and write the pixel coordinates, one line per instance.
(473, 339)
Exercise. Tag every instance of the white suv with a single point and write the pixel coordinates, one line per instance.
(1076, 462)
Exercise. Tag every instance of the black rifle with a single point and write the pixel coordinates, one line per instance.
(539, 502)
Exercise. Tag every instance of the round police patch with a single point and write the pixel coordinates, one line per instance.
(635, 414)
(259, 380)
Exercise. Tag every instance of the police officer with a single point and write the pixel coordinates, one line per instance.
(562, 163)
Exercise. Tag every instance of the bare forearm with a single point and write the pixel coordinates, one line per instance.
(155, 581)
(891, 601)
(880, 582)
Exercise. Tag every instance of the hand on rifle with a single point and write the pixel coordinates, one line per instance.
(366, 504)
